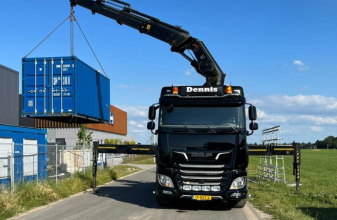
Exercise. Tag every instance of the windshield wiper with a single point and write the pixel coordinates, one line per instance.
(210, 129)
(187, 128)
(182, 129)
(227, 129)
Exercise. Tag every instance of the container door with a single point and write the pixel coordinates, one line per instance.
(30, 157)
(5, 149)
(62, 86)
(35, 96)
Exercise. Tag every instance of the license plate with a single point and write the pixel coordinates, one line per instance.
(201, 197)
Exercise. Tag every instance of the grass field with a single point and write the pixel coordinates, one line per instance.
(318, 193)
(138, 159)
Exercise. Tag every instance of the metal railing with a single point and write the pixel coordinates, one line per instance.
(34, 162)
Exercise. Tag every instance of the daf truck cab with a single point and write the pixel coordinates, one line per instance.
(202, 150)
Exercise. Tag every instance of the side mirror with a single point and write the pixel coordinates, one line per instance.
(253, 126)
(151, 125)
(152, 112)
(252, 113)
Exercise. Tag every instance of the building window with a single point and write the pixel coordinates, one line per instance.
(112, 118)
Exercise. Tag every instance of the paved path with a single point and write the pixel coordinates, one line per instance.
(133, 198)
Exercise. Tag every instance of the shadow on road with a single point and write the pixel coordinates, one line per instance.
(141, 193)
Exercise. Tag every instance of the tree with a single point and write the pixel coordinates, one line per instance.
(84, 135)
(151, 140)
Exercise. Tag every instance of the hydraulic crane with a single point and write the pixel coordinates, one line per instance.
(179, 39)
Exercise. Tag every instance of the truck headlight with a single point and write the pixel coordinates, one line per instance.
(165, 181)
(238, 183)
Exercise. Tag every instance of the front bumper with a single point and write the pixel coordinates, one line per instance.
(229, 195)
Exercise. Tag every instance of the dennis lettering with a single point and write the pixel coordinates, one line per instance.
(210, 89)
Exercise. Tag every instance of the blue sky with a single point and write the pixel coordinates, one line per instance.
(283, 53)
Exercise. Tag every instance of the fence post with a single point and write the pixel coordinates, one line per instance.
(56, 162)
(94, 164)
(83, 160)
(12, 167)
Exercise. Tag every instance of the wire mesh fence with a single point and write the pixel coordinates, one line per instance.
(34, 162)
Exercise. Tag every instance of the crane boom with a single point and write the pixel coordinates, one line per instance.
(179, 39)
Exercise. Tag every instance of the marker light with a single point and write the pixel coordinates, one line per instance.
(175, 90)
(229, 89)
(215, 188)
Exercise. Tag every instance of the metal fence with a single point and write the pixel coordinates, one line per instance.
(33, 162)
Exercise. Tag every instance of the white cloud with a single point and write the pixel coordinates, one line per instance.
(137, 120)
(134, 111)
(190, 72)
(300, 65)
(139, 130)
(319, 120)
(299, 104)
(298, 62)
(303, 68)
(316, 128)
(303, 118)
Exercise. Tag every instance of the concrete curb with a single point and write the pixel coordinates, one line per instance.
(255, 214)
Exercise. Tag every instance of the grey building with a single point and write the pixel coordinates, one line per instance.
(24, 121)
(9, 96)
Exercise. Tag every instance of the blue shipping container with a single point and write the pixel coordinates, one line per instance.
(30, 153)
(64, 89)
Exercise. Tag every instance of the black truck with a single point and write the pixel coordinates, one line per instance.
(202, 151)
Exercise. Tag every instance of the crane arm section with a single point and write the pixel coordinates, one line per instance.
(179, 39)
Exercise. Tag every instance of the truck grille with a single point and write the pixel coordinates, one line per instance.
(201, 166)
(201, 175)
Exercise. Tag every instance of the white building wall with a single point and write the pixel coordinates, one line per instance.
(70, 135)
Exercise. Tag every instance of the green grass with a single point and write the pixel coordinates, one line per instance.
(138, 159)
(318, 193)
(30, 195)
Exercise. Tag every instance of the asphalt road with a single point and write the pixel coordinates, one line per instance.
(133, 198)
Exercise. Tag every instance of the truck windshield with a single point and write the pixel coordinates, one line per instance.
(219, 116)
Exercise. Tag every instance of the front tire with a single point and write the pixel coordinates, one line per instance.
(238, 203)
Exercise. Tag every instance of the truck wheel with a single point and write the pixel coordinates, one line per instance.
(163, 201)
(238, 203)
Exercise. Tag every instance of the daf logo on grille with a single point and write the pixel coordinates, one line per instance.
(201, 154)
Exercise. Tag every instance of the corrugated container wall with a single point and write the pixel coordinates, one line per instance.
(9, 96)
(30, 153)
(64, 89)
